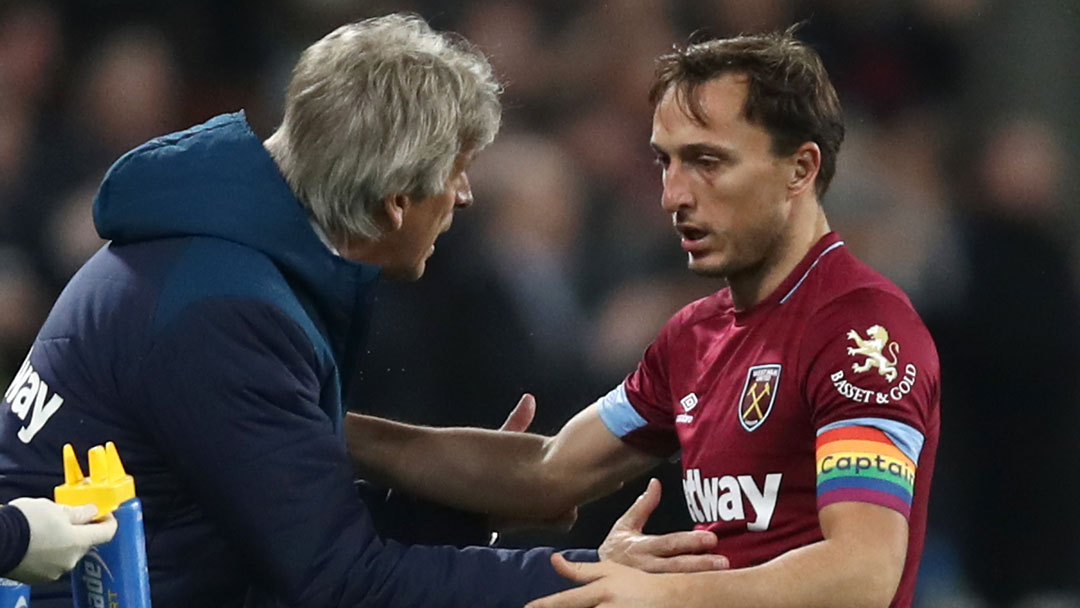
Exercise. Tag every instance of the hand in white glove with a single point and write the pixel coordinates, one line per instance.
(59, 536)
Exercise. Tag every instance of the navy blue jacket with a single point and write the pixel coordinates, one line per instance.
(209, 340)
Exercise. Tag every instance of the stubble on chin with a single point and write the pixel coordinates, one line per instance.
(718, 271)
(739, 261)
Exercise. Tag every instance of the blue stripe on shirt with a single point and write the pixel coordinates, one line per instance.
(904, 437)
(618, 414)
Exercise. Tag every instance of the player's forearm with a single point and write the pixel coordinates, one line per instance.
(829, 573)
(495, 472)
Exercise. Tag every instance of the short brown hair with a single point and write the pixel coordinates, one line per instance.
(790, 94)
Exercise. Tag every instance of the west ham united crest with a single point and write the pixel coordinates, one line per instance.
(758, 395)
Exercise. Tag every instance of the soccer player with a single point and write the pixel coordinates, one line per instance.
(804, 395)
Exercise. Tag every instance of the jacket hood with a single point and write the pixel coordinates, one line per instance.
(217, 180)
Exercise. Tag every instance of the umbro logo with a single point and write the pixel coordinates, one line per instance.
(688, 403)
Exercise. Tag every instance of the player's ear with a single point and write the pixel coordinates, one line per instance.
(806, 163)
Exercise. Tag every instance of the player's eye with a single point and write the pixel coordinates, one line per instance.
(708, 163)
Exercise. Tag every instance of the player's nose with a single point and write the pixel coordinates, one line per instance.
(677, 193)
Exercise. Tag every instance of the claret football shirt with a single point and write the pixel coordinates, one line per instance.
(826, 391)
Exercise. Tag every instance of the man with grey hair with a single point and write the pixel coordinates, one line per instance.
(212, 338)
(382, 118)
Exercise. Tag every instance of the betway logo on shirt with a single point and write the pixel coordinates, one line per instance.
(727, 498)
(29, 395)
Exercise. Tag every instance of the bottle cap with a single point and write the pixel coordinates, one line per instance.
(108, 485)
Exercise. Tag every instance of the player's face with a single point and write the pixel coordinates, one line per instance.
(724, 188)
(422, 222)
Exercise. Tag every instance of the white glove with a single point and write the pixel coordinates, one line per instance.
(59, 536)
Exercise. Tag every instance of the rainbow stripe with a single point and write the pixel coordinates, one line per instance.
(860, 463)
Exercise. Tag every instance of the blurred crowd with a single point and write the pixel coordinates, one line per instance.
(955, 181)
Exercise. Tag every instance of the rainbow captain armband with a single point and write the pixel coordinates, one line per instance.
(864, 464)
(115, 573)
(108, 486)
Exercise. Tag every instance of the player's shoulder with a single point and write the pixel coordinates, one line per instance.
(849, 297)
(714, 305)
(688, 319)
(849, 284)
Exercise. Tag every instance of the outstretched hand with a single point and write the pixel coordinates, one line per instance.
(610, 585)
(628, 545)
(518, 422)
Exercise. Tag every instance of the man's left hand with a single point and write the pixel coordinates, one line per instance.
(610, 585)
(628, 545)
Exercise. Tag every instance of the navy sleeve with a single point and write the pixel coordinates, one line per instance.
(14, 537)
(413, 521)
(230, 393)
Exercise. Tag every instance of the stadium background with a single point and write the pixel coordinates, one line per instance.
(956, 180)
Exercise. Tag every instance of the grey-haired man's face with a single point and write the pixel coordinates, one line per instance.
(413, 226)
(424, 220)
